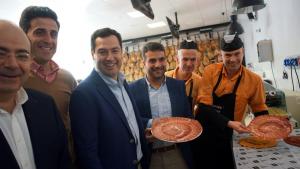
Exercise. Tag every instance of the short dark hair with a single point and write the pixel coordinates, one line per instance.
(33, 12)
(188, 44)
(103, 33)
(152, 46)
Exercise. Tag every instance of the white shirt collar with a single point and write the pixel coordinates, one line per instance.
(21, 98)
(149, 84)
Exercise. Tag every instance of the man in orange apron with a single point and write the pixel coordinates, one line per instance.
(227, 88)
(186, 59)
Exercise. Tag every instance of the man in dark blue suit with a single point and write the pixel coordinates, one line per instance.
(106, 125)
(32, 135)
(159, 96)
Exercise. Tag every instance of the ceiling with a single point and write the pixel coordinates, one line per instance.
(80, 18)
(93, 14)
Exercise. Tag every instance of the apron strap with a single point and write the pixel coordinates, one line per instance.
(237, 84)
(219, 80)
(191, 89)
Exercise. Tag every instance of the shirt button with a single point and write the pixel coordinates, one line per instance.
(135, 162)
(131, 141)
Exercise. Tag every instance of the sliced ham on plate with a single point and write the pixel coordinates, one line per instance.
(270, 127)
(293, 140)
(255, 142)
(176, 129)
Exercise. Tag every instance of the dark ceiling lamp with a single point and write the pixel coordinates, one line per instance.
(247, 6)
(144, 7)
(174, 28)
(234, 27)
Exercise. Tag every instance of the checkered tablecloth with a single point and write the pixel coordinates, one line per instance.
(283, 156)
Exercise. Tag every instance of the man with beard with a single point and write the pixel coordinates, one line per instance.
(41, 27)
(32, 135)
(159, 96)
(186, 59)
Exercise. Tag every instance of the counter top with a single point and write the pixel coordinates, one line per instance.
(283, 156)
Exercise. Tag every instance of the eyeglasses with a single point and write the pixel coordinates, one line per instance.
(20, 55)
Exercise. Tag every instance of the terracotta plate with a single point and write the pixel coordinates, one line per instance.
(255, 142)
(270, 127)
(293, 140)
(176, 129)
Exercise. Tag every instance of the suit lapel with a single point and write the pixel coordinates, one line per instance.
(7, 158)
(107, 94)
(146, 99)
(30, 109)
(172, 94)
(137, 115)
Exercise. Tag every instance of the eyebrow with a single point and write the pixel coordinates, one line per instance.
(113, 48)
(4, 49)
(23, 50)
(45, 29)
(18, 51)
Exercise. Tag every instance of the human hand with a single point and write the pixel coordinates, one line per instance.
(238, 126)
(148, 134)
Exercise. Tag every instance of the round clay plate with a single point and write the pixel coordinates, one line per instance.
(176, 129)
(293, 140)
(270, 127)
(255, 142)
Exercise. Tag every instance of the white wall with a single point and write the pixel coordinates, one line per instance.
(280, 22)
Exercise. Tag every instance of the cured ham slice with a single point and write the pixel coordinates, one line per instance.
(293, 140)
(270, 127)
(176, 129)
(255, 142)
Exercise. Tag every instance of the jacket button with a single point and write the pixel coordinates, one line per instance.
(131, 141)
(135, 162)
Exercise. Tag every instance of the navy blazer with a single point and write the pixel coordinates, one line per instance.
(102, 136)
(179, 104)
(47, 134)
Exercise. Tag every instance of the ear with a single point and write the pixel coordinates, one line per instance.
(93, 55)
(176, 57)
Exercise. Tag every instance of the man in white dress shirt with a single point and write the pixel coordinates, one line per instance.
(32, 135)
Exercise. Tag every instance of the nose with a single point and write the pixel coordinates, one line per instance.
(11, 62)
(232, 59)
(189, 63)
(158, 64)
(110, 55)
(48, 38)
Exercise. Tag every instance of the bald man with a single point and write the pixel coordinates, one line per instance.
(32, 135)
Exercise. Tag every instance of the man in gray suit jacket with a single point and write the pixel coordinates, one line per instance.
(159, 96)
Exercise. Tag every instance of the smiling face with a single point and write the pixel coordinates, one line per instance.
(155, 65)
(108, 55)
(187, 60)
(43, 37)
(233, 60)
(15, 58)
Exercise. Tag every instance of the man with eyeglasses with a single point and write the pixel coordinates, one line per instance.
(32, 135)
(106, 125)
(186, 60)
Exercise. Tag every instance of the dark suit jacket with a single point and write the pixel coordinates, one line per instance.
(179, 104)
(102, 137)
(47, 134)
